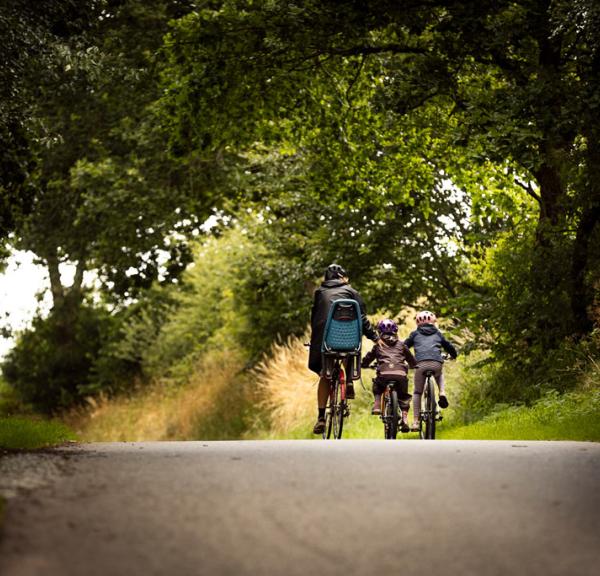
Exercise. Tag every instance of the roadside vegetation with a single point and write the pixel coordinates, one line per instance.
(29, 433)
(572, 416)
(22, 429)
(449, 158)
(288, 392)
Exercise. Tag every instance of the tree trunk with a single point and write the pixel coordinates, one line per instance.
(56, 287)
(551, 194)
(581, 297)
(66, 300)
(581, 293)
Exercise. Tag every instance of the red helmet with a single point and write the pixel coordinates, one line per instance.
(425, 317)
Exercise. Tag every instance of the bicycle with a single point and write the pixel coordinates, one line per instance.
(390, 409)
(340, 351)
(430, 414)
(337, 404)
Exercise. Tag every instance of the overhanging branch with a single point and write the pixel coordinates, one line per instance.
(528, 188)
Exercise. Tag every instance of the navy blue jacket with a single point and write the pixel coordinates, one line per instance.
(428, 342)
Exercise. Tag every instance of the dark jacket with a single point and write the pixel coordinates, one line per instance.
(329, 291)
(428, 342)
(393, 358)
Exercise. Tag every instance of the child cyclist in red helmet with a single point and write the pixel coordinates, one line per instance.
(428, 342)
(393, 359)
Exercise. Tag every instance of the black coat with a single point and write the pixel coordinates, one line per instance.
(329, 291)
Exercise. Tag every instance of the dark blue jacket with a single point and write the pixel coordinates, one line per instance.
(428, 342)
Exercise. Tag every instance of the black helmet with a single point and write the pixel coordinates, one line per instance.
(334, 271)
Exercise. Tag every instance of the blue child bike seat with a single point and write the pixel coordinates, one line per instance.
(343, 330)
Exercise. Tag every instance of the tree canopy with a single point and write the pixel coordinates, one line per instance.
(445, 151)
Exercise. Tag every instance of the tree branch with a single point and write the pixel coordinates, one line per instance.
(527, 187)
(394, 48)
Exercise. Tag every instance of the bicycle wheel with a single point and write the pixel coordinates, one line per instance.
(391, 415)
(338, 409)
(385, 403)
(329, 416)
(423, 415)
(431, 408)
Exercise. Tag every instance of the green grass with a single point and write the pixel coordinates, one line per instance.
(572, 416)
(21, 433)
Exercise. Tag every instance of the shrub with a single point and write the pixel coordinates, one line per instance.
(51, 363)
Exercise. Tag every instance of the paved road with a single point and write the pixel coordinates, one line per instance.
(304, 508)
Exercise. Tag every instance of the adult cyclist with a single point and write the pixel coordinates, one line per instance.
(335, 286)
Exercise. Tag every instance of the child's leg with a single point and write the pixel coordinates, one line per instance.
(438, 374)
(439, 378)
(404, 399)
(403, 396)
(417, 392)
(378, 389)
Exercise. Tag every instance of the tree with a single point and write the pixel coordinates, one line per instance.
(28, 32)
(513, 82)
(106, 195)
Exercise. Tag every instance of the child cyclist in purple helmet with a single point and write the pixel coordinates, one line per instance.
(393, 359)
(428, 342)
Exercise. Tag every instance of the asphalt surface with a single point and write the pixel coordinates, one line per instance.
(304, 508)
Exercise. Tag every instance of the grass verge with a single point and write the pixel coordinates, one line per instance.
(21, 433)
(571, 416)
(215, 404)
(288, 392)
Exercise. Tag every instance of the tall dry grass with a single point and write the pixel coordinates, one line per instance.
(209, 406)
(286, 387)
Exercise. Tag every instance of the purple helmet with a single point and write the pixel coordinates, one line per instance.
(387, 326)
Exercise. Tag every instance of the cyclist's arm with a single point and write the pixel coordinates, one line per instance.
(409, 357)
(315, 307)
(448, 347)
(410, 341)
(367, 327)
(368, 357)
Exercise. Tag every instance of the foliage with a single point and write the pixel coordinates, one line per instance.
(20, 433)
(107, 196)
(10, 403)
(487, 386)
(51, 367)
(28, 33)
(230, 296)
(338, 97)
(205, 313)
(446, 154)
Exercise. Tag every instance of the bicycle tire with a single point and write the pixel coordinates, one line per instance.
(328, 418)
(431, 406)
(385, 403)
(338, 410)
(392, 415)
(423, 414)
